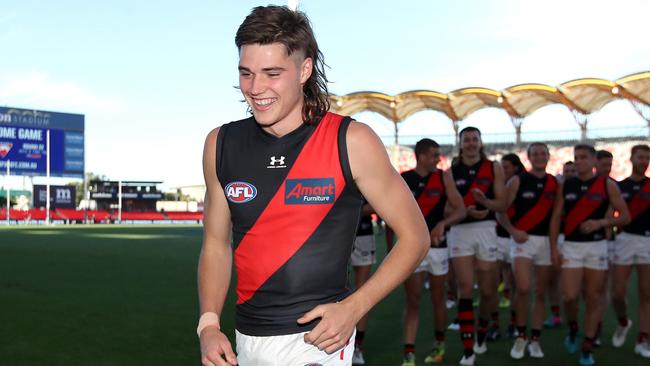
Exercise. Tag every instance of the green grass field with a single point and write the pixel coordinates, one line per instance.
(126, 295)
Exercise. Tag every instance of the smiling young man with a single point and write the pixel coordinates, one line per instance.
(288, 184)
(531, 195)
(584, 201)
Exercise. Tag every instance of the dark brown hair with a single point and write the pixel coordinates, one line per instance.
(279, 24)
(424, 145)
(642, 147)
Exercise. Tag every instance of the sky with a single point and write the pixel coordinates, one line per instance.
(154, 77)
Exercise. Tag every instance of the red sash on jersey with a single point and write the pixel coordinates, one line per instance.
(585, 207)
(638, 205)
(542, 207)
(281, 229)
(428, 201)
(482, 181)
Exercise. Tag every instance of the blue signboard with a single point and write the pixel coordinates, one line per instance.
(23, 142)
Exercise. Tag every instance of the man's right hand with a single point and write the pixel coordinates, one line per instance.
(519, 236)
(215, 348)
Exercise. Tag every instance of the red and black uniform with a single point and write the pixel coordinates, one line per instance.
(584, 200)
(637, 197)
(429, 192)
(532, 208)
(479, 175)
(294, 209)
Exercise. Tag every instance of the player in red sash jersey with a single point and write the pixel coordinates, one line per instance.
(632, 250)
(473, 242)
(433, 189)
(584, 201)
(287, 185)
(531, 196)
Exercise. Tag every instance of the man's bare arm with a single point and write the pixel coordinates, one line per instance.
(215, 260)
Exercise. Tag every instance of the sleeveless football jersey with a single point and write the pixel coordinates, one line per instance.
(637, 197)
(533, 206)
(479, 175)
(429, 192)
(294, 209)
(584, 200)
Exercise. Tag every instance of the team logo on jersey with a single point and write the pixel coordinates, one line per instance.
(240, 192)
(570, 196)
(276, 162)
(461, 182)
(528, 195)
(4, 148)
(309, 191)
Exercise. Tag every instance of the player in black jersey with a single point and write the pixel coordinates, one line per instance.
(584, 201)
(433, 190)
(604, 160)
(531, 197)
(633, 250)
(287, 185)
(473, 242)
(512, 166)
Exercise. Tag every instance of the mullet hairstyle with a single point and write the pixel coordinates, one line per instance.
(279, 24)
(460, 139)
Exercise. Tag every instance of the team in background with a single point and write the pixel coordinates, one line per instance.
(562, 239)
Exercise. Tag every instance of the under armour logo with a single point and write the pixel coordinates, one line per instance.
(276, 162)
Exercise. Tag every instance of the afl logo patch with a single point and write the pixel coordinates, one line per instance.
(240, 192)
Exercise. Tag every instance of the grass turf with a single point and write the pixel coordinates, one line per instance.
(126, 295)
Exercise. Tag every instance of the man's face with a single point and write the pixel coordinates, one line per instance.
(538, 156)
(604, 166)
(640, 161)
(471, 143)
(584, 161)
(271, 81)
(429, 159)
(569, 170)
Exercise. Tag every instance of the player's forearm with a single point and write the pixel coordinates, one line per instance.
(554, 231)
(400, 263)
(455, 217)
(214, 272)
(495, 205)
(504, 221)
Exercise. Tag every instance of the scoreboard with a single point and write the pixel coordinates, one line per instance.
(23, 142)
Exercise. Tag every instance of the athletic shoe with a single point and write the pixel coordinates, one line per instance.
(512, 331)
(502, 286)
(480, 349)
(552, 321)
(597, 342)
(468, 361)
(518, 349)
(642, 349)
(535, 350)
(450, 304)
(454, 326)
(587, 360)
(504, 303)
(409, 359)
(493, 333)
(437, 355)
(357, 357)
(618, 339)
(570, 344)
